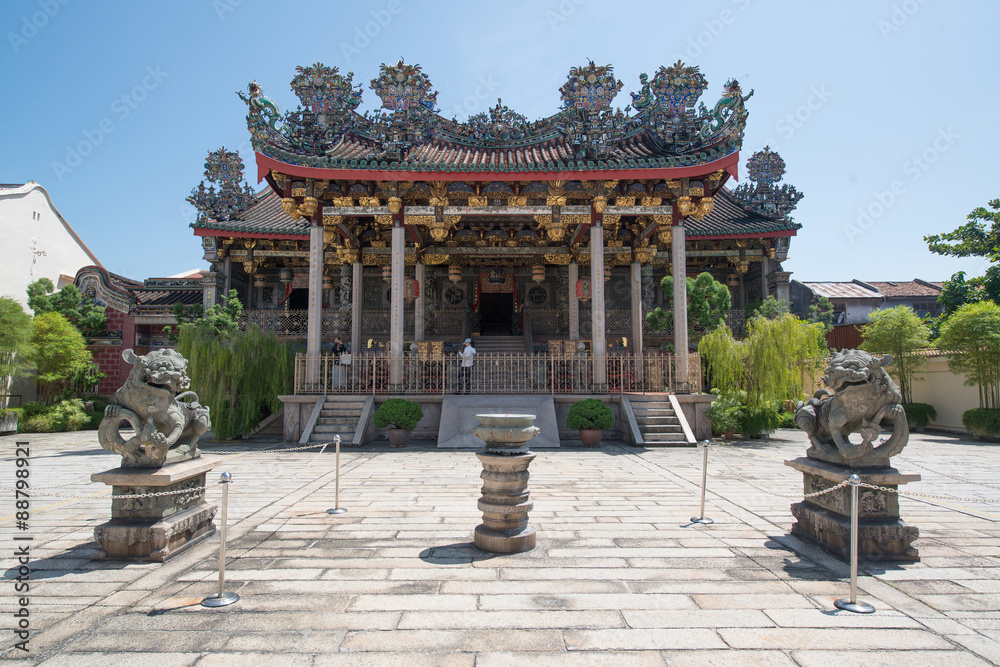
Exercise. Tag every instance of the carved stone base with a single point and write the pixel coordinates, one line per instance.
(505, 504)
(156, 541)
(157, 527)
(826, 520)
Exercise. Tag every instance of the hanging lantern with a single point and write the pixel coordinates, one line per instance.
(607, 273)
(583, 289)
(411, 288)
(327, 282)
(538, 273)
(732, 279)
(387, 273)
(259, 280)
(454, 273)
(285, 275)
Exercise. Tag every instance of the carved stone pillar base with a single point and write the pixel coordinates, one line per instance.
(505, 504)
(826, 520)
(156, 528)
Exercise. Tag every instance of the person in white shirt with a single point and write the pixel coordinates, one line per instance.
(465, 373)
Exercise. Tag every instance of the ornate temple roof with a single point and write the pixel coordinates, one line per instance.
(665, 127)
(266, 219)
(153, 296)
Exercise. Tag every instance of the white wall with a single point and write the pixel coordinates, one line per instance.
(947, 392)
(29, 223)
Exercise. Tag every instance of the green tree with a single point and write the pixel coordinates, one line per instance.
(979, 237)
(708, 303)
(220, 319)
(82, 312)
(902, 333)
(822, 312)
(15, 344)
(60, 352)
(971, 338)
(770, 308)
(770, 365)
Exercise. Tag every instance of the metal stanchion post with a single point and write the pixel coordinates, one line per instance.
(853, 604)
(222, 599)
(701, 518)
(337, 509)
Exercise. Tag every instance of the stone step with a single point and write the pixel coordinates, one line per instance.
(657, 419)
(336, 422)
(327, 412)
(343, 405)
(657, 430)
(334, 429)
(665, 437)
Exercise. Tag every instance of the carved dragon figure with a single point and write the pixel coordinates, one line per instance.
(863, 396)
(152, 400)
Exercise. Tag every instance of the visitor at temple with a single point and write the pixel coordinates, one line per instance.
(465, 377)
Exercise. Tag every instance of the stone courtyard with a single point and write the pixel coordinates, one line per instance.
(620, 576)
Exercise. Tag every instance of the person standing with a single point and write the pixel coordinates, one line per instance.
(465, 373)
(338, 370)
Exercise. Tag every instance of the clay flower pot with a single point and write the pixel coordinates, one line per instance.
(398, 437)
(591, 437)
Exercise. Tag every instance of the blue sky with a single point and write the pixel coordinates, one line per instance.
(884, 111)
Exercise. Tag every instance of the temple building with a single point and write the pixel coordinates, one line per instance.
(403, 232)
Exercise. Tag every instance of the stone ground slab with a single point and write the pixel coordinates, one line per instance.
(620, 575)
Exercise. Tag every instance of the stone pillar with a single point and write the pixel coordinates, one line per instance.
(678, 260)
(574, 304)
(211, 283)
(226, 268)
(314, 315)
(418, 304)
(635, 285)
(356, 307)
(598, 345)
(764, 268)
(396, 310)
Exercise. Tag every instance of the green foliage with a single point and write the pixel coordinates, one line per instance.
(979, 237)
(902, 333)
(708, 302)
(15, 343)
(590, 413)
(238, 374)
(787, 420)
(398, 412)
(82, 312)
(771, 364)
(66, 415)
(982, 422)
(60, 352)
(757, 419)
(971, 338)
(219, 320)
(724, 413)
(822, 312)
(94, 418)
(770, 309)
(919, 415)
(958, 291)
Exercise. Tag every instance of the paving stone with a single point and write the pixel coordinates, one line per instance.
(577, 658)
(121, 659)
(455, 640)
(806, 638)
(644, 639)
(886, 658)
(727, 658)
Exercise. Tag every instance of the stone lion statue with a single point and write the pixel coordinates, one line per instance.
(153, 400)
(863, 397)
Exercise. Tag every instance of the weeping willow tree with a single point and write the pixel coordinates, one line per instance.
(238, 374)
(771, 364)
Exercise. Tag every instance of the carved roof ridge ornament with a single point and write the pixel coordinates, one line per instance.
(590, 88)
(402, 87)
(766, 168)
(225, 169)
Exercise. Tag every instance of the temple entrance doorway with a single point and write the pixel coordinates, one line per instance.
(497, 313)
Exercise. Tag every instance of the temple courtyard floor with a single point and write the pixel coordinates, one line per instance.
(620, 575)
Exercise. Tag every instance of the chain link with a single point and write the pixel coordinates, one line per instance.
(927, 496)
(952, 477)
(322, 445)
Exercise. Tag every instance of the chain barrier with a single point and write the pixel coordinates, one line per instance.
(927, 496)
(754, 484)
(289, 485)
(268, 451)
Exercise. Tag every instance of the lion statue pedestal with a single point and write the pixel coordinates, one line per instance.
(161, 455)
(862, 397)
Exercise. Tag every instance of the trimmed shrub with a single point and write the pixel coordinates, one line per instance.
(41, 418)
(982, 422)
(95, 417)
(590, 413)
(755, 420)
(918, 415)
(399, 413)
(724, 413)
(787, 420)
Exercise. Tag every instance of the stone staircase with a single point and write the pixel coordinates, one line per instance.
(340, 415)
(660, 422)
(498, 344)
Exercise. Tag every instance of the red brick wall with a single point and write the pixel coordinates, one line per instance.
(109, 357)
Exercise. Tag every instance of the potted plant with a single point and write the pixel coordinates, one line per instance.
(401, 416)
(590, 416)
(918, 415)
(724, 414)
